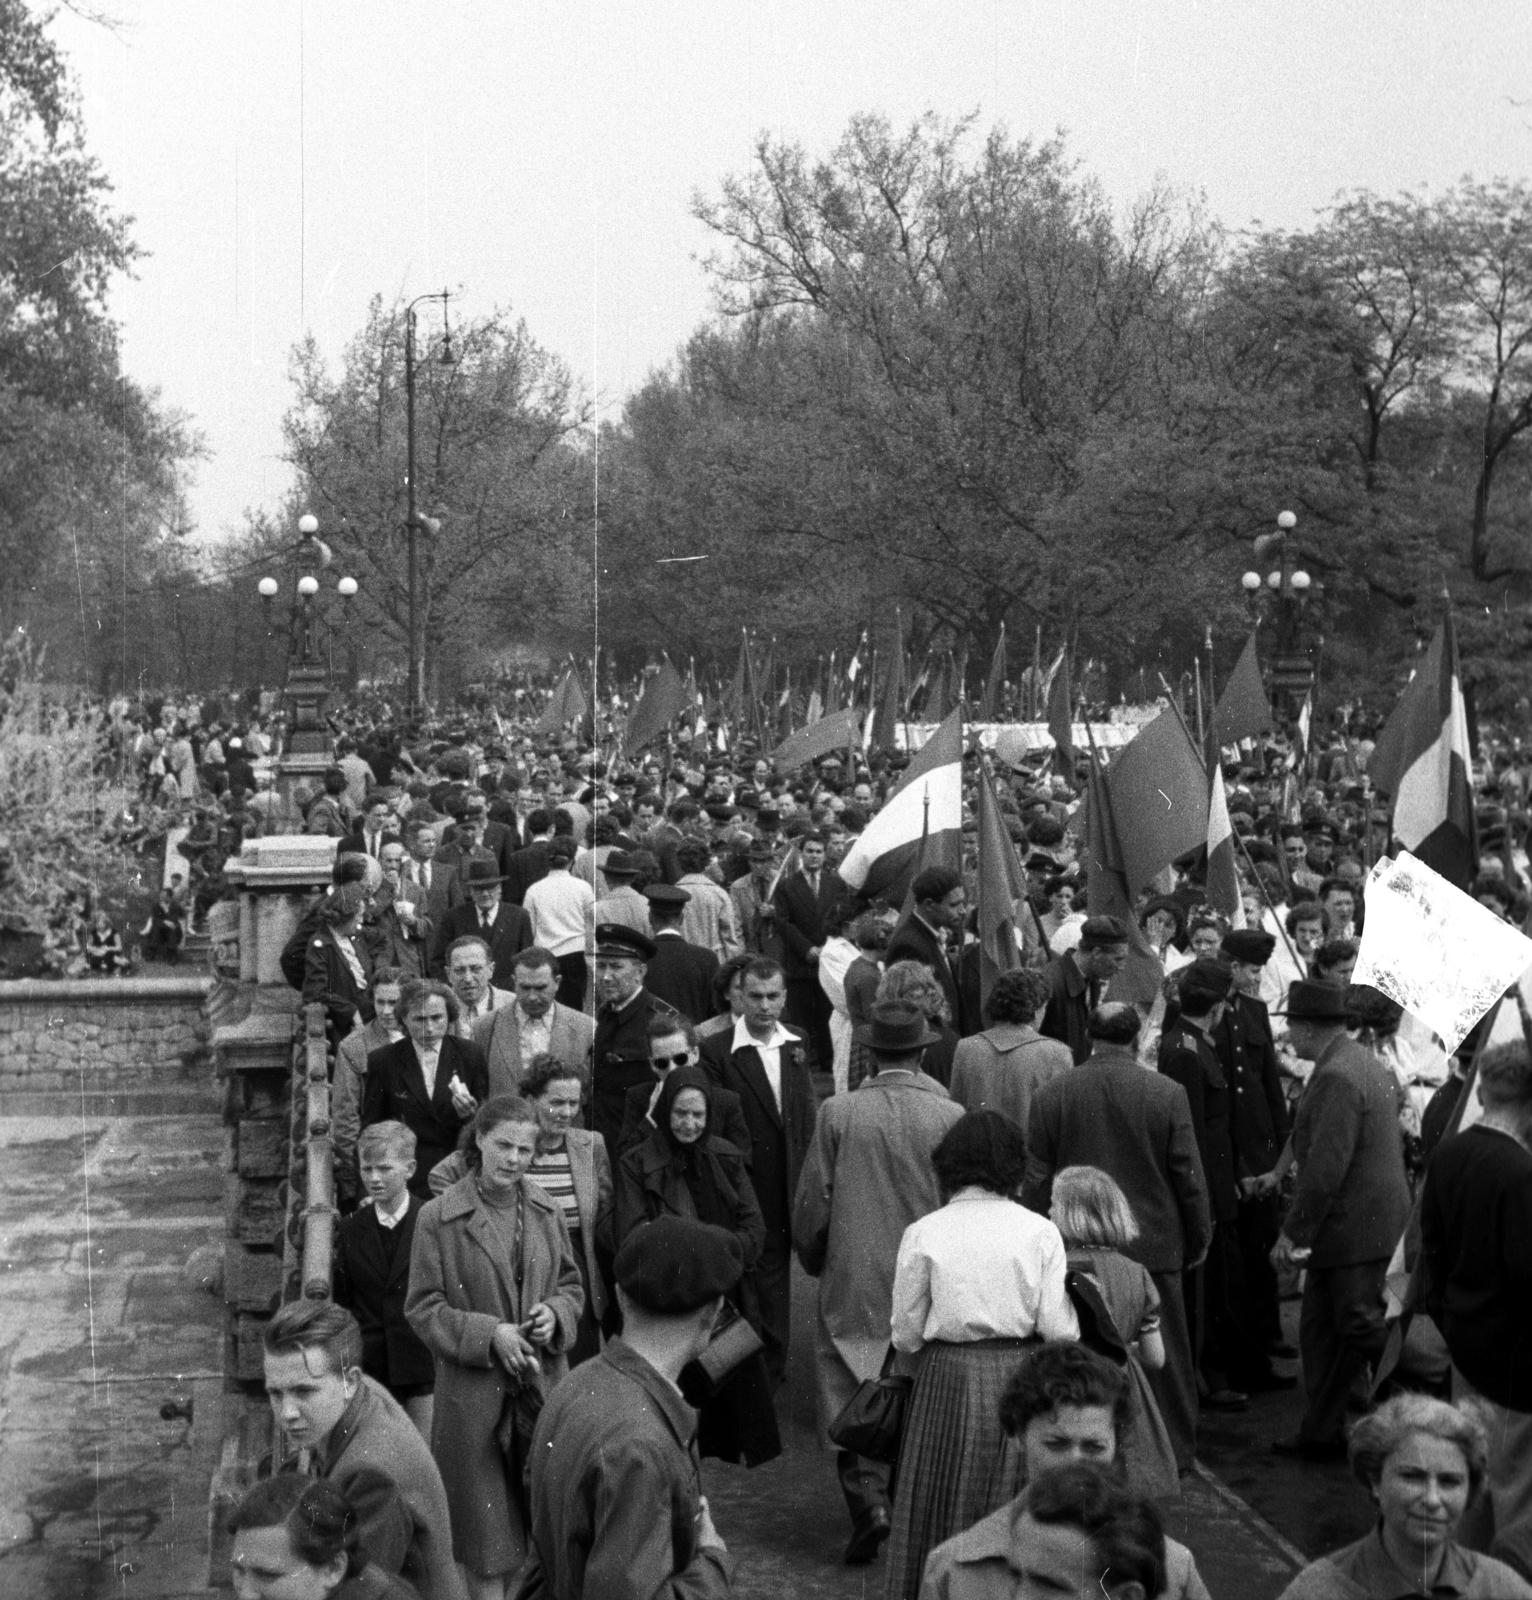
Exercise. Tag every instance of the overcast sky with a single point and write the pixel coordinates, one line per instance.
(285, 160)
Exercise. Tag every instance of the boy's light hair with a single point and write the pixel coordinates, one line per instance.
(386, 1138)
(1089, 1209)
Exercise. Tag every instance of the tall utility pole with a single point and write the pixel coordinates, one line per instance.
(415, 680)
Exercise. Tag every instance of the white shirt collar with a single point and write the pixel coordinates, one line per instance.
(743, 1038)
(392, 1219)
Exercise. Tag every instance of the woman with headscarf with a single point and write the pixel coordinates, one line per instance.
(684, 1170)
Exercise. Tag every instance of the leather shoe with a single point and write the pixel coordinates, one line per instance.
(1310, 1449)
(1226, 1400)
(868, 1537)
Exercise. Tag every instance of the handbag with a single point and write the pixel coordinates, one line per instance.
(871, 1423)
(733, 1342)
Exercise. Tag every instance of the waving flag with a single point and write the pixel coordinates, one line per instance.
(882, 860)
(1422, 760)
(1223, 873)
(1001, 886)
(1243, 710)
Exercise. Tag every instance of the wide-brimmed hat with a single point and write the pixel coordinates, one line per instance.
(619, 864)
(1310, 1001)
(897, 1028)
(481, 873)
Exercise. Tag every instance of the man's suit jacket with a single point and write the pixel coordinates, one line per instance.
(1136, 1127)
(396, 1092)
(1249, 1059)
(620, 1059)
(498, 1036)
(509, 935)
(398, 944)
(1352, 1197)
(912, 940)
(526, 867)
(1002, 1068)
(682, 975)
(372, 1277)
(1069, 1005)
(355, 843)
(637, 1124)
(779, 1139)
(499, 1000)
(1187, 1057)
(805, 920)
(436, 898)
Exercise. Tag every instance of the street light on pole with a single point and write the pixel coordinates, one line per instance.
(412, 517)
(1284, 594)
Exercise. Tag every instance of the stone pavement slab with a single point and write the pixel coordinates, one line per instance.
(101, 1494)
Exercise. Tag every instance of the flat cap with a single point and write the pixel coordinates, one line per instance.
(617, 939)
(1097, 932)
(673, 1265)
(667, 894)
(1249, 945)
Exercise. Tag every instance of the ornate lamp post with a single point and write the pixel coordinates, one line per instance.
(1282, 598)
(307, 689)
(413, 520)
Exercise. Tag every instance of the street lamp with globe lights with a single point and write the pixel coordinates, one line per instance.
(1282, 597)
(414, 521)
(307, 688)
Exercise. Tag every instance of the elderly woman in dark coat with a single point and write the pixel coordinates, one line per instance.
(495, 1295)
(684, 1170)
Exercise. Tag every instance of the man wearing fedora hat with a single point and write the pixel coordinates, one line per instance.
(505, 929)
(867, 1177)
(622, 902)
(1348, 1212)
(754, 914)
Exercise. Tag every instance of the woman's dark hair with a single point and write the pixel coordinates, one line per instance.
(342, 904)
(321, 1522)
(412, 993)
(1017, 996)
(498, 1109)
(981, 1149)
(724, 977)
(545, 1069)
(1124, 1528)
(1064, 1374)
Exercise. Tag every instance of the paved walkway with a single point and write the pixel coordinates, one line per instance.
(100, 1496)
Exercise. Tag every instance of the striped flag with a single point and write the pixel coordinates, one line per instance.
(1423, 761)
(881, 861)
(1223, 874)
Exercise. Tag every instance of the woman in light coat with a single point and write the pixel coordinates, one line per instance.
(495, 1295)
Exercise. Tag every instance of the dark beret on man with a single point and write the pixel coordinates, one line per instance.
(1248, 945)
(675, 1265)
(1097, 933)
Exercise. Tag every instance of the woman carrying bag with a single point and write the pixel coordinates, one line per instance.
(682, 1170)
(495, 1295)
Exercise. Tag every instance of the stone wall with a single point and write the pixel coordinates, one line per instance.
(106, 1046)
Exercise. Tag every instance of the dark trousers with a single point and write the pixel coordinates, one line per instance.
(808, 1007)
(572, 980)
(1231, 1341)
(1259, 1223)
(773, 1287)
(1175, 1384)
(864, 1484)
(1340, 1329)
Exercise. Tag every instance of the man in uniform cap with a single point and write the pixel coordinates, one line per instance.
(620, 1055)
(680, 973)
(1347, 1215)
(1259, 1126)
(616, 1510)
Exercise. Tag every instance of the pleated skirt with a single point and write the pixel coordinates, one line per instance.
(956, 1464)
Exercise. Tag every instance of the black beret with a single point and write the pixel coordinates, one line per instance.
(617, 939)
(1097, 932)
(674, 1265)
(1309, 1000)
(1248, 945)
(666, 894)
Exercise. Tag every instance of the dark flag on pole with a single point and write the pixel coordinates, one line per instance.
(663, 700)
(1243, 710)
(994, 687)
(1001, 886)
(1061, 719)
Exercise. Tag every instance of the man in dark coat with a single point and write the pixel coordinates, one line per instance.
(765, 1063)
(430, 1081)
(505, 928)
(807, 906)
(1077, 980)
(620, 1053)
(529, 865)
(1137, 1127)
(1187, 1056)
(681, 974)
(672, 1044)
(615, 1506)
(1348, 1211)
(1248, 1055)
(930, 931)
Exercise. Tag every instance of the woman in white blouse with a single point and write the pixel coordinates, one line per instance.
(975, 1283)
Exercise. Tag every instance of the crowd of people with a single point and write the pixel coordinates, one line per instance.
(615, 1044)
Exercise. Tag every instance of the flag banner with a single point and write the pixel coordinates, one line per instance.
(991, 701)
(663, 700)
(1002, 886)
(1434, 949)
(1159, 794)
(828, 736)
(1106, 893)
(1061, 717)
(1423, 759)
(1243, 710)
(882, 860)
(1223, 871)
(890, 706)
(567, 704)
